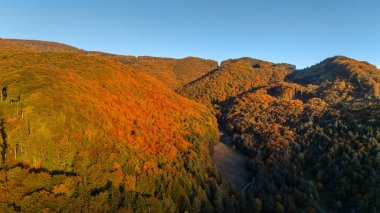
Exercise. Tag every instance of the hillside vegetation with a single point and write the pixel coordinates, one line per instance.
(363, 76)
(175, 73)
(312, 136)
(91, 131)
(235, 77)
(87, 133)
(39, 46)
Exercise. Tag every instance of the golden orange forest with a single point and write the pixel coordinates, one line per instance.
(85, 131)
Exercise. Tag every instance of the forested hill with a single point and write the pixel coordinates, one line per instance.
(92, 131)
(312, 135)
(38, 46)
(235, 77)
(88, 133)
(175, 73)
(363, 76)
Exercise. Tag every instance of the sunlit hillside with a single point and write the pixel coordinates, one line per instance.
(175, 73)
(234, 77)
(88, 133)
(91, 131)
(39, 46)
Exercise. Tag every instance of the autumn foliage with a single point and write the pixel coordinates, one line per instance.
(91, 131)
(88, 133)
(175, 73)
(235, 77)
(312, 135)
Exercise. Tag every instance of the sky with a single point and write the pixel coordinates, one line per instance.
(300, 32)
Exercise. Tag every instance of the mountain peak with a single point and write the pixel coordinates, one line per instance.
(360, 74)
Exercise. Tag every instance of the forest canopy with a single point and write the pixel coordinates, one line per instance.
(88, 133)
(92, 131)
(312, 135)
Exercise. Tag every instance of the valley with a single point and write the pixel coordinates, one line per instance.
(232, 165)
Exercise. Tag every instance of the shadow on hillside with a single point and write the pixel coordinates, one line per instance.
(4, 145)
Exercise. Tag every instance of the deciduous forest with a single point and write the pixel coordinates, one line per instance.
(85, 131)
(312, 135)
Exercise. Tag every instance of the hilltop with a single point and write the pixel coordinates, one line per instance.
(235, 77)
(363, 76)
(38, 46)
(175, 73)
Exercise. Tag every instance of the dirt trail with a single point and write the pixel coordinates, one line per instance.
(232, 165)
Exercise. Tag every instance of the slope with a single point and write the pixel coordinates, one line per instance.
(86, 133)
(313, 146)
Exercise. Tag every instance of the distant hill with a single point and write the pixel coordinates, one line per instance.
(363, 76)
(39, 46)
(234, 77)
(88, 133)
(175, 73)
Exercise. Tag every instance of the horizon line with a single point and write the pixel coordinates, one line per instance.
(183, 57)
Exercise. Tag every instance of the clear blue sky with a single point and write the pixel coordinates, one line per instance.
(302, 32)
